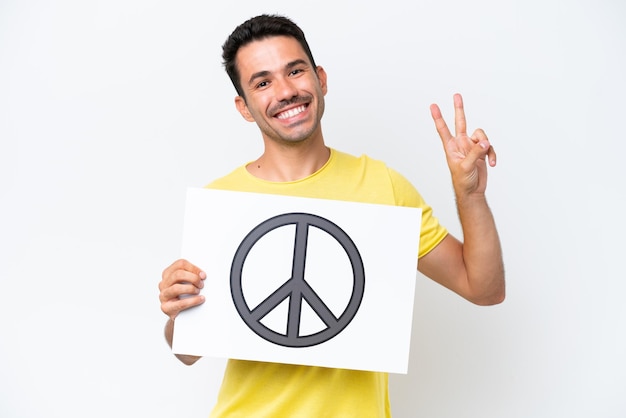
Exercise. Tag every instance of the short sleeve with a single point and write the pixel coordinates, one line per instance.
(405, 194)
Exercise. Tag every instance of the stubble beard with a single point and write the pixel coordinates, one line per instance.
(298, 137)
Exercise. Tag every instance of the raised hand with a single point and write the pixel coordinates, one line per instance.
(466, 155)
(472, 268)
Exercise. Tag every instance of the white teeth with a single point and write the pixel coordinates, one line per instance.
(291, 112)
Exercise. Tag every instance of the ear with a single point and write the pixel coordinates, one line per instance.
(240, 104)
(322, 77)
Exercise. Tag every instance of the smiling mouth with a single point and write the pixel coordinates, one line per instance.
(291, 112)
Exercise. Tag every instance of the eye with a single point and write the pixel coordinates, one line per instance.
(262, 84)
(296, 71)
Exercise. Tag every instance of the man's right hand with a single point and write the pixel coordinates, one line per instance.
(180, 286)
(179, 289)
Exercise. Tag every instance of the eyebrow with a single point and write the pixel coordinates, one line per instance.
(265, 73)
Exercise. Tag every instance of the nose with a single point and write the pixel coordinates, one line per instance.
(285, 89)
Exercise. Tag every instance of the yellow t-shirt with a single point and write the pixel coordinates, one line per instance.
(253, 389)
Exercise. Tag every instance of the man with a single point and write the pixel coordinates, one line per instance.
(282, 90)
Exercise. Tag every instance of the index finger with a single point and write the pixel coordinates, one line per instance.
(184, 265)
(440, 124)
(460, 126)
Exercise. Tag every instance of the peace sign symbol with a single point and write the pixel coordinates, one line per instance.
(296, 288)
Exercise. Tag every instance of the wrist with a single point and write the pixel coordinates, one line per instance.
(471, 199)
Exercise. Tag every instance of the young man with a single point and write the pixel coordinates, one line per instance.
(282, 90)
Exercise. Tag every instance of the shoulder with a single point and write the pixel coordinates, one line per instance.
(375, 168)
(364, 162)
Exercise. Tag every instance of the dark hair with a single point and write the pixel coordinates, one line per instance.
(257, 28)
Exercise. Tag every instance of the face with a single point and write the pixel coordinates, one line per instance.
(284, 94)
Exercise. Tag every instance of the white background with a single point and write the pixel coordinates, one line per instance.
(110, 109)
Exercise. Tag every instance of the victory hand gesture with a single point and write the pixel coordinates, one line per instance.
(466, 155)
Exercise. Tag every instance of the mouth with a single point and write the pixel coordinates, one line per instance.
(290, 113)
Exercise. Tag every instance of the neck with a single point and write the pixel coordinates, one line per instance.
(289, 162)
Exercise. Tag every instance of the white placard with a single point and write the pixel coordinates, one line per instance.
(300, 281)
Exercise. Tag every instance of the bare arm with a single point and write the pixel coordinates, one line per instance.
(180, 278)
(472, 268)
